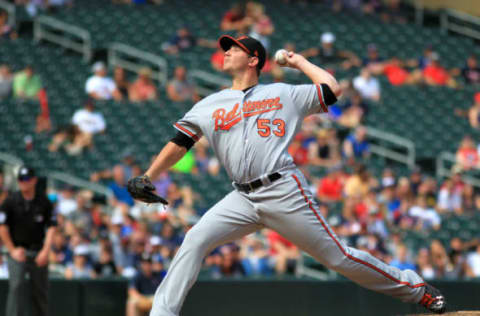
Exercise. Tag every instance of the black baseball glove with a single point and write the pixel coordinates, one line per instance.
(142, 189)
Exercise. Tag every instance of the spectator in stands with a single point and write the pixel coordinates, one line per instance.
(441, 262)
(367, 86)
(373, 61)
(401, 259)
(324, 152)
(184, 40)
(66, 202)
(6, 80)
(298, 151)
(229, 263)
(6, 30)
(449, 198)
(142, 288)
(119, 189)
(356, 146)
(255, 260)
(216, 60)
(359, 184)
(129, 165)
(80, 269)
(329, 55)
(180, 89)
(436, 75)
(285, 254)
(101, 87)
(471, 71)
(474, 112)
(64, 136)
(394, 11)
(60, 254)
(352, 113)
(397, 75)
(26, 84)
(330, 188)
(473, 263)
(467, 155)
(105, 267)
(120, 79)
(262, 27)
(143, 88)
(427, 218)
(424, 267)
(89, 123)
(236, 19)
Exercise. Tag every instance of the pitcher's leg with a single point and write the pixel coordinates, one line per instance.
(230, 219)
(303, 225)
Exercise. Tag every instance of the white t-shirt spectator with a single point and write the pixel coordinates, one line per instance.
(449, 200)
(429, 216)
(102, 86)
(473, 261)
(368, 88)
(89, 122)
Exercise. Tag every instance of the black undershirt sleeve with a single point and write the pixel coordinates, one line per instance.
(183, 140)
(328, 95)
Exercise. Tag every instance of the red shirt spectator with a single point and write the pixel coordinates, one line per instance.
(274, 237)
(395, 73)
(298, 152)
(435, 74)
(330, 187)
(217, 59)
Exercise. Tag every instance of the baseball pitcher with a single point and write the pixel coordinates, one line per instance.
(250, 127)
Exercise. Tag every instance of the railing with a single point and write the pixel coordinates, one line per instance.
(446, 159)
(77, 182)
(407, 157)
(63, 34)
(207, 83)
(459, 22)
(133, 59)
(303, 270)
(10, 8)
(12, 164)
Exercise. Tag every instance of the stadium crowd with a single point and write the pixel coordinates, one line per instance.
(116, 236)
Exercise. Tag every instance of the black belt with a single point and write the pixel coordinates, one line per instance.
(249, 187)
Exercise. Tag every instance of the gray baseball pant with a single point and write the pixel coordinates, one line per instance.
(286, 206)
(23, 293)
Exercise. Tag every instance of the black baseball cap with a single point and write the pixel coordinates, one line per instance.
(25, 173)
(250, 45)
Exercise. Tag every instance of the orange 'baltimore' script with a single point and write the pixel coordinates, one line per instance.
(226, 120)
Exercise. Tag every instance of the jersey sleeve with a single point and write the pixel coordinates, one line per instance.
(312, 98)
(190, 124)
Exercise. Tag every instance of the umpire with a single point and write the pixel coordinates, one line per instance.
(27, 226)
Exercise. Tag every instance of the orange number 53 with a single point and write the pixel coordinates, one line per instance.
(264, 129)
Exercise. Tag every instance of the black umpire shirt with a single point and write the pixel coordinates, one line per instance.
(27, 221)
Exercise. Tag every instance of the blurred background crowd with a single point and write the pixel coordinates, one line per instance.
(406, 217)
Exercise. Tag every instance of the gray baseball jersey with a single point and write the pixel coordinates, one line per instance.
(250, 132)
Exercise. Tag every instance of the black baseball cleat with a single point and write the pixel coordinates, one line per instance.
(433, 300)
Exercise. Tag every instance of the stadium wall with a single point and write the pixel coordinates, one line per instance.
(250, 298)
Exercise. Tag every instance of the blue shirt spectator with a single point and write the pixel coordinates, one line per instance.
(356, 146)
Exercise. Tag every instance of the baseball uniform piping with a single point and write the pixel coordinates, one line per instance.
(186, 131)
(343, 250)
(320, 97)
